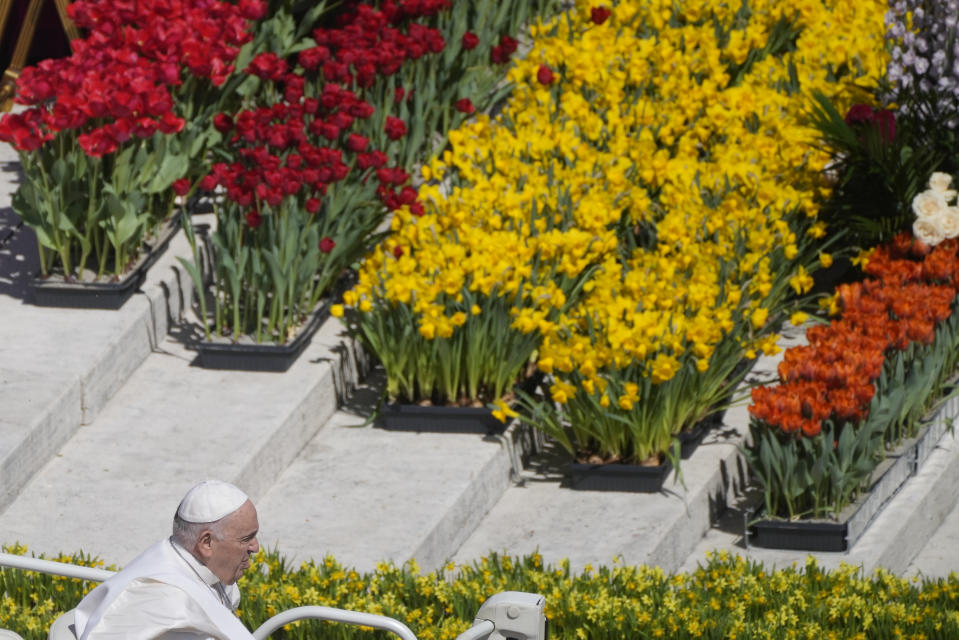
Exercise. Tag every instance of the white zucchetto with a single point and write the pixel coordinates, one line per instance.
(210, 501)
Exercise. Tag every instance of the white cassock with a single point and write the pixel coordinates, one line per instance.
(164, 593)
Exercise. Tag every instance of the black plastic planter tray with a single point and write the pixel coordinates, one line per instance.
(260, 357)
(618, 477)
(397, 416)
(56, 292)
(842, 534)
(412, 417)
(800, 536)
(634, 477)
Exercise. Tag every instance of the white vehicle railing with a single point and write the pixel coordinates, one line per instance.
(54, 568)
(511, 614)
(335, 615)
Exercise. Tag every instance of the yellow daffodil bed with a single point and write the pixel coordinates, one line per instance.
(727, 597)
(637, 220)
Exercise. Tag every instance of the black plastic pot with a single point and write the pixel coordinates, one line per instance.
(260, 357)
(800, 536)
(618, 477)
(411, 417)
(443, 419)
(842, 533)
(56, 292)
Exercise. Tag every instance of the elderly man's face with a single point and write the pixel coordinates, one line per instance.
(230, 557)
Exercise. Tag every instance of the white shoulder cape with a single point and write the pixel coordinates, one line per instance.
(161, 563)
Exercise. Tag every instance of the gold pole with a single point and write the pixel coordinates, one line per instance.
(8, 85)
(5, 6)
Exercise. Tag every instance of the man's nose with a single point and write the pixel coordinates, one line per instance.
(254, 546)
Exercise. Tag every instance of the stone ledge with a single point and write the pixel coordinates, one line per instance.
(70, 362)
(113, 489)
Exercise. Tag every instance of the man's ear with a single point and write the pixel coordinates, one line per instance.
(204, 546)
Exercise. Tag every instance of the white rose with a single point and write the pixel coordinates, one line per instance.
(927, 230)
(948, 220)
(928, 204)
(939, 182)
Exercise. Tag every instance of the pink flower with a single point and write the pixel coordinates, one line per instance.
(222, 122)
(545, 75)
(395, 128)
(599, 14)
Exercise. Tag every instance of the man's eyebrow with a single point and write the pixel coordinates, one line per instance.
(250, 536)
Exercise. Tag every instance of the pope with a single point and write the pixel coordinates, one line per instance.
(183, 587)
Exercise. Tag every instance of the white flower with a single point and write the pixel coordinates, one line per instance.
(927, 230)
(940, 181)
(928, 203)
(949, 222)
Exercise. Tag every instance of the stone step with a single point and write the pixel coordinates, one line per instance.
(542, 514)
(366, 495)
(677, 528)
(113, 487)
(60, 367)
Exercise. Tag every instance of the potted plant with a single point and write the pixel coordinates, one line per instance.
(711, 233)
(861, 386)
(304, 178)
(111, 135)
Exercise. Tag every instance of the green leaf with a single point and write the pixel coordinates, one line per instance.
(194, 274)
(172, 167)
(276, 271)
(123, 168)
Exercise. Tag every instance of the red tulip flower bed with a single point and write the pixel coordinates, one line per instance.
(889, 325)
(117, 82)
(304, 144)
(110, 128)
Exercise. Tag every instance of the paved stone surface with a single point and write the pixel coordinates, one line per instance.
(60, 367)
(940, 556)
(364, 494)
(113, 488)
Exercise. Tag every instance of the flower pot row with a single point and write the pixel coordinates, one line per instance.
(841, 533)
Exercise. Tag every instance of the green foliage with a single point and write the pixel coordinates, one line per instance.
(877, 174)
(93, 213)
(813, 476)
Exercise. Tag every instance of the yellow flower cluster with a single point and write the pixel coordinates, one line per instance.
(701, 130)
(441, 265)
(727, 597)
(665, 150)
